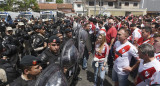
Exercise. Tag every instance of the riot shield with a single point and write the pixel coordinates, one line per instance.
(82, 37)
(69, 60)
(69, 54)
(52, 76)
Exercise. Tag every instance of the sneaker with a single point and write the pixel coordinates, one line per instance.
(84, 68)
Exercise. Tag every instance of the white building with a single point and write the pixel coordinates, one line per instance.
(114, 7)
(79, 7)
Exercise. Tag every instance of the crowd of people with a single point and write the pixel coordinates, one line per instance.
(27, 47)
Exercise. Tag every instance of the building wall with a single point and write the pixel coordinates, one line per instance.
(105, 5)
(118, 12)
(130, 5)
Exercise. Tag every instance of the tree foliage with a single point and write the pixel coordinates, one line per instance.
(22, 5)
(7, 5)
(59, 1)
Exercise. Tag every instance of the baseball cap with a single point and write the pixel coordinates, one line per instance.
(68, 30)
(30, 60)
(54, 39)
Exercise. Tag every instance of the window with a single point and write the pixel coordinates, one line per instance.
(48, 0)
(110, 4)
(91, 3)
(100, 3)
(135, 4)
(78, 5)
(126, 3)
(119, 3)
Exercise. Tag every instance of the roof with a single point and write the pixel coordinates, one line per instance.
(47, 6)
(110, 0)
(78, 2)
(151, 5)
(64, 6)
(132, 0)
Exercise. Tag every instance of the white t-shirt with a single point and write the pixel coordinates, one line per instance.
(136, 34)
(123, 55)
(146, 71)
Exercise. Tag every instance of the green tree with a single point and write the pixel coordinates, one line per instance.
(59, 1)
(25, 4)
(7, 5)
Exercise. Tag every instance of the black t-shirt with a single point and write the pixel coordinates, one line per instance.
(21, 82)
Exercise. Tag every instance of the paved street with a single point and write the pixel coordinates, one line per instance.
(88, 76)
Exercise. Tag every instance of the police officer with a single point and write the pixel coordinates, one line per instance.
(52, 53)
(10, 46)
(7, 72)
(31, 68)
(39, 40)
(8, 36)
(68, 34)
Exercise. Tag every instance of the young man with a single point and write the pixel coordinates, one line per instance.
(146, 36)
(39, 40)
(154, 27)
(149, 65)
(157, 46)
(124, 51)
(68, 33)
(30, 70)
(52, 53)
(88, 46)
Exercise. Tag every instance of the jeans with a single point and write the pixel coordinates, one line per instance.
(111, 57)
(102, 73)
(85, 59)
(121, 79)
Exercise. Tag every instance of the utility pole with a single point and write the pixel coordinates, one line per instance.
(100, 6)
(94, 7)
(83, 6)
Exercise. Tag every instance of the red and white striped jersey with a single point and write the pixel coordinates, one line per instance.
(136, 34)
(123, 55)
(155, 79)
(141, 41)
(157, 55)
(146, 71)
(103, 56)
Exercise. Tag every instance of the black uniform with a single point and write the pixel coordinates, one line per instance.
(11, 72)
(47, 56)
(21, 82)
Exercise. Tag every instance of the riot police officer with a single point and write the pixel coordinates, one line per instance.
(52, 53)
(39, 40)
(7, 72)
(31, 68)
